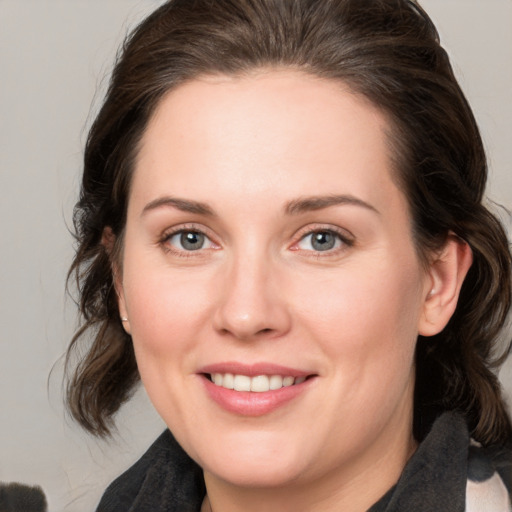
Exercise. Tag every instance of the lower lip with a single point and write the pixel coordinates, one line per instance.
(247, 403)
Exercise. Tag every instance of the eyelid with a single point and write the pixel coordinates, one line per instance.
(168, 233)
(347, 238)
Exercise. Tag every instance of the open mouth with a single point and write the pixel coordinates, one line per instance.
(257, 384)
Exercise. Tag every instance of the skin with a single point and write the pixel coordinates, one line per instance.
(249, 150)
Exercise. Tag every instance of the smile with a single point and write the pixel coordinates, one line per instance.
(257, 384)
(255, 389)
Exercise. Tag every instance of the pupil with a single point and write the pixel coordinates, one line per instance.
(192, 241)
(323, 241)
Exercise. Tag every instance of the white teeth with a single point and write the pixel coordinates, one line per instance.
(257, 384)
(242, 383)
(276, 382)
(228, 381)
(260, 383)
(288, 381)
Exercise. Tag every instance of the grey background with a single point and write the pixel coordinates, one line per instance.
(54, 56)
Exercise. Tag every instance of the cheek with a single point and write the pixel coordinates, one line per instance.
(166, 310)
(363, 298)
(366, 319)
(167, 316)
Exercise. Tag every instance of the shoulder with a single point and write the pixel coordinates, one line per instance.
(489, 484)
(164, 478)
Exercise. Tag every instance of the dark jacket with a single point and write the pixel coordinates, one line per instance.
(447, 473)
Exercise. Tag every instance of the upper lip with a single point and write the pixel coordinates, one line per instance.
(252, 370)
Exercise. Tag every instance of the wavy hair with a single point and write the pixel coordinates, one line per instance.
(385, 50)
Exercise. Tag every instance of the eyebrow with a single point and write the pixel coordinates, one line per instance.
(307, 204)
(185, 205)
(295, 207)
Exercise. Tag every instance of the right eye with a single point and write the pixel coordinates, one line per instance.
(187, 240)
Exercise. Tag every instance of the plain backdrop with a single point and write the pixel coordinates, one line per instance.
(55, 56)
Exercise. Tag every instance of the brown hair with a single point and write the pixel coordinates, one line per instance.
(385, 50)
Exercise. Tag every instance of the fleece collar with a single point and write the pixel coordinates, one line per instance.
(435, 477)
(165, 479)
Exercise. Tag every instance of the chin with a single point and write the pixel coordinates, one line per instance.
(255, 463)
(267, 473)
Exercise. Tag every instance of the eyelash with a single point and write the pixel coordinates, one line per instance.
(342, 237)
(183, 253)
(345, 239)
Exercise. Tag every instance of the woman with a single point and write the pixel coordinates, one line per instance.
(281, 233)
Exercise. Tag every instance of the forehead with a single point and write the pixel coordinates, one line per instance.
(256, 132)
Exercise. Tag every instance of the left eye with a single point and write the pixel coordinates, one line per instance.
(320, 241)
(190, 241)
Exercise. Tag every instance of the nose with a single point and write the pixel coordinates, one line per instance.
(252, 301)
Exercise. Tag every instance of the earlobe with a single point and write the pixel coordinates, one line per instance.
(121, 303)
(446, 274)
(108, 240)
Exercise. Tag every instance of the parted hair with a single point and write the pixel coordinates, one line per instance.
(385, 50)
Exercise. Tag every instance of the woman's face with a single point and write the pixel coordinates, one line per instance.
(267, 244)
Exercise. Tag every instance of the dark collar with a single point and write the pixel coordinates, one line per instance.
(165, 479)
(435, 476)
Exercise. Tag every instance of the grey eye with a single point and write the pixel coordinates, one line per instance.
(323, 241)
(320, 241)
(191, 240)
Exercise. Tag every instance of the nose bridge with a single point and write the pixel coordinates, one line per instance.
(250, 304)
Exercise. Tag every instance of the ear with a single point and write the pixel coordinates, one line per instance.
(108, 240)
(445, 276)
